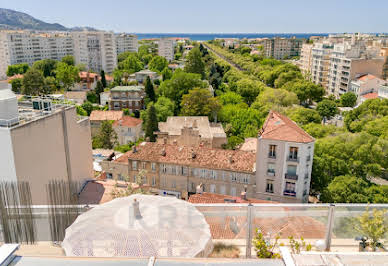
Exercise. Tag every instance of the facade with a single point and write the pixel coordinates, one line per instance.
(26, 47)
(347, 62)
(305, 60)
(126, 43)
(383, 91)
(365, 84)
(281, 48)
(166, 48)
(178, 170)
(97, 50)
(88, 81)
(97, 117)
(128, 129)
(284, 160)
(131, 97)
(44, 146)
(320, 63)
(191, 131)
(142, 75)
(78, 97)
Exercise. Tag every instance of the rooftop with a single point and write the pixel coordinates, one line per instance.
(372, 95)
(145, 72)
(280, 127)
(97, 115)
(128, 121)
(233, 160)
(206, 197)
(250, 144)
(85, 74)
(127, 88)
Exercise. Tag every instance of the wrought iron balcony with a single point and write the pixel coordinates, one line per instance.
(291, 176)
(293, 159)
(270, 172)
(289, 193)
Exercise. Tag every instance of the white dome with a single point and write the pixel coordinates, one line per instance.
(169, 227)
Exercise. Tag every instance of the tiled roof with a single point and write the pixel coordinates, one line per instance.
(206, 197)
(366, 77)
(127, 88)
(128, 121)
(84, 74)
(280, 127)
(75, 95)
(250, 144)
(233, 160)
(372, 95)
(97, 115)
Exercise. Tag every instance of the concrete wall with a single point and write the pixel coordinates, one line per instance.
(7, 163)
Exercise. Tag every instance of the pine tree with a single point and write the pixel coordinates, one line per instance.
(151, 124)
(103, 78)
(107, 136)
(99, 88)
(149, 90)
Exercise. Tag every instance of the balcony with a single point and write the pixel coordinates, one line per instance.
(270, 172)
(293, 159)
(308, 158)
(289, 193)
(291, 176)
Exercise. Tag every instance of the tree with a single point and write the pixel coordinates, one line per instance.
(327, 108)
(230, 97)
(158, 63)
(194, 63)
(67, 75)
(81, 111)
(107, 137)
(348, 99)
(233, 141)
(88, 107)
(287, 77)
(69, 60)
(33, 82)
(131, 64)
(17, 85)
(273, 98)
(99, 88)
(151, 123)
(92, 97)
(164, 108)
(46, 66)
(50, 85)
(149, 91)
(374, 226)
(17, 69)
(306, 91)
(249, 89)
(166, 73)
(103, 78)
(303, 116)
(199, 102)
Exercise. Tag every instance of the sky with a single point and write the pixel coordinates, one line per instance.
(211, 16)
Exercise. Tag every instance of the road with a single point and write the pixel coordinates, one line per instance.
(234, 65)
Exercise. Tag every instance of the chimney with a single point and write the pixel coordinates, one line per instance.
(163, 152)
(199, 189)
(230, 159)
(243, 194)
(193, 154)
(147, 139)
(136, 209)
(134, 150)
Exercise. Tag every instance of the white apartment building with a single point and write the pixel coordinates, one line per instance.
(27, 47)
(284, 160)
(349, 61)
(365, 84)
(320, 62)
(166, 48)
(126, 43)
(305, 60)
(281, 48)
(97, 50)
(40, 142)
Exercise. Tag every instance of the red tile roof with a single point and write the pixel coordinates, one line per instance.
(366, 77)
(234, 160)
(280, 127)
(97, 115)
(206, 197)
(84, 74)
(128, 121)
(372, 95)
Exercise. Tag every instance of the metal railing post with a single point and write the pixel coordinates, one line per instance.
(249, 231)
(329, 227)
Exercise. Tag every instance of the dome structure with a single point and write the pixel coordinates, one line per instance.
(140, 226)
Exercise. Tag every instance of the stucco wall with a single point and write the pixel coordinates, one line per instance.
(7, 164)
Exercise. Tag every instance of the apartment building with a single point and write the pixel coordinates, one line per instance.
(320, 63)
(27, 47)
(128, 129)
(126, 43)
(178, 170)
(281, 48)
(305, 60)
(365, 84)
(349, 61)
(166, 48)
(97, 50)
(131, 97)
(97, 117)
(41, 142)
(191, 131)
(284, 160)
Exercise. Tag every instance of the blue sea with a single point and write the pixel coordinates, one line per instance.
(212, 36)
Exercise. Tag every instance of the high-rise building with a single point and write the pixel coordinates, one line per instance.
(27, 47)
(126, 43)
(305, 60)
(320, 63)
(166, 48)
(97, 50)
(281, 48)
(42, 141)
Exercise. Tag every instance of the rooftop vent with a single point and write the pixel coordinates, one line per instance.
(230, 159)
(134, 150)
(193, 155)
(163, 152)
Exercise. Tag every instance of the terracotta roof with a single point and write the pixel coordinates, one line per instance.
(280, 127)
(128, 121)
(75, 95)
(372, 95)
(84, 74)
(107, 78)
(234, 160)
(97, 115)
(206, 197)
(366, 77)
(16, 76)
(250, 144)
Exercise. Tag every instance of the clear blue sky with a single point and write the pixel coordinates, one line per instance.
(203, 16)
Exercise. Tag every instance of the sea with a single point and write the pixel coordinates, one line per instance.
(212, 36)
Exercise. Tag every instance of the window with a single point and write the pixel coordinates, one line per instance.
(271, 169)
(214, 174)
(173, 169)
(245, 179)
(163, 168)
(304, 192)
(192, 186)
(153, 181)
(120, 177)
(290, 187)
(109, 175)
(233, 177)
(143, 165)
(293, 153)
(291, 170)
(134, 165)
(144, 180)
(222, 190)
(134, 178)
(272, 151)
(212, 188)
(269, 187)
(153, 167)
